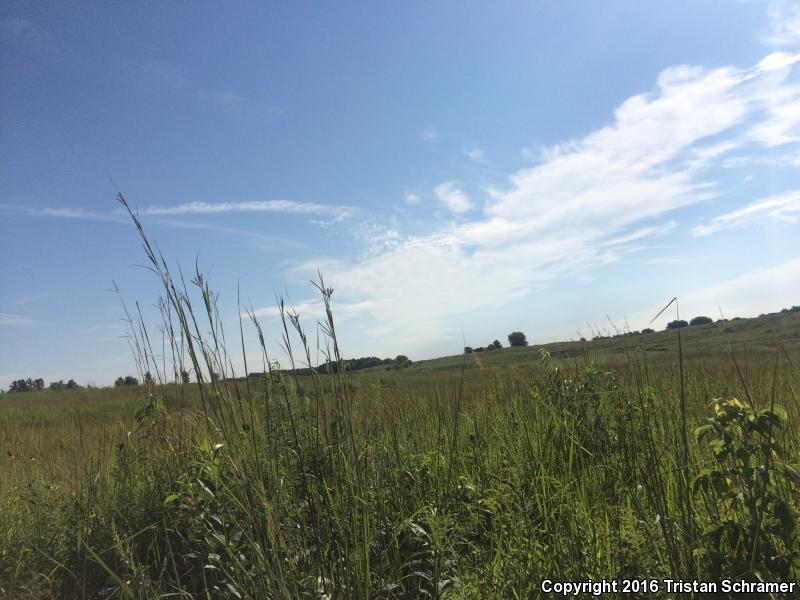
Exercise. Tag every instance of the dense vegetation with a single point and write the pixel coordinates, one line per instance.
(457, 478)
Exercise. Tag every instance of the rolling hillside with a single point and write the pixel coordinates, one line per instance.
(753, 336)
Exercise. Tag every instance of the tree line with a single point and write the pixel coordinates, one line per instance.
(37, 385)
(515, 339)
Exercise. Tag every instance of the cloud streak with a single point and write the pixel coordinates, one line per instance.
(12, 319)
(783, 207)
(271, 206)
(291, 207)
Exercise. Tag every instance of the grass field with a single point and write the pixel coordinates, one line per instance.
(463, 477)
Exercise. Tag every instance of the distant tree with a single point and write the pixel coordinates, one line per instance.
(26, 385)
(214, 376)
(517, 338)
(56, 385)
(19, 385)
(467, 349)
(127, 380)
(648, 330)
(148, 378)
(677, 324)
(185, 376)
(72, 385)
(497, 345)
(701, 321)
(401, 359)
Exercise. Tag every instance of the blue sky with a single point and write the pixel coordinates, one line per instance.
(456, 170)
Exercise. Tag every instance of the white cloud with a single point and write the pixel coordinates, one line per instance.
(784, 24)
(644, 232)
(452, 197)
(475, 155)
(336, 212)
(780, 207)
(430, 135)
(579, 207)
(412, 199)
(314, 310)
(64, 213)
(260, 240)
(278, 206)
(11, 319)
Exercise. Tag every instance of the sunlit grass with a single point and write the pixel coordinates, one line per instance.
(451, 482)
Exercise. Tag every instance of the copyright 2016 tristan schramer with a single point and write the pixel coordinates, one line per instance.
(670, 586)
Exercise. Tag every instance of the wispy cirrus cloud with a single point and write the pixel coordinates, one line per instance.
(337, 212)
(13, 319)
(314, 309)
(581, 204)
(175, 78)
(412, 198)
(643, 233)
(271, 206)
(784, 18)
(64, 213)
(259, 239)
(430, 135)
(476, 155)
(453, 197)
(784, 207)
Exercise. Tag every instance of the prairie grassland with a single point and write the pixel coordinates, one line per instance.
(425, 482)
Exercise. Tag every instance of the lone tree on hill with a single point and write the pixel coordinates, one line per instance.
(467, 349)
(517, 338)
(701, 321)
(677, 324)
(497, 345)
(185, 378)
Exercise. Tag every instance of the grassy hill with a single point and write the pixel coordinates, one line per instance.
(745, 337)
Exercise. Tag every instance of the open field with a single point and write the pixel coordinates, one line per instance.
(462, 477)
(653, 457)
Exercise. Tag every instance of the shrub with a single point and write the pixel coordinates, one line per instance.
(751, 528)
(701, 321)
(677, 324)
